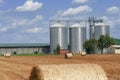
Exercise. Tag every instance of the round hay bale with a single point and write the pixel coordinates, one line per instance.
(83, 54)
(7, 55)
(68, 72)
(68, 55)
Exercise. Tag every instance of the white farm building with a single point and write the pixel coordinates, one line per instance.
(114, 49)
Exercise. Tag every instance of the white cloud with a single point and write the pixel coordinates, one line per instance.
(26, 22)
(3, 29)
(1, 12)
(74, 11)
(19, 22)
(111, 21)
(113, 9)
(34, 30)
(80, 1)
(1, 1)
(29, 5)
(36, 19)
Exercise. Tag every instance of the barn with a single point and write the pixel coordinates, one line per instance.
(114, 49)
(24, 48)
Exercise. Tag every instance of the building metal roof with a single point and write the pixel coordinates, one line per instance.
(25, 45)
(115, 46)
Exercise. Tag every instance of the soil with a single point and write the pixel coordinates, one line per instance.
(19, 67)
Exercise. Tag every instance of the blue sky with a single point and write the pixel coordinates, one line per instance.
(26, 21)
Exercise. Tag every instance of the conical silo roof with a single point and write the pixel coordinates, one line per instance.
(77, 25)
(57, 25)
(101, 24)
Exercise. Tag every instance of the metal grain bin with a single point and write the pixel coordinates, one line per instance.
(77, 37)
(101, 29)
(58, 36)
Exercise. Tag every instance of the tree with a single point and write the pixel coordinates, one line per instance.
(101, 43)
(109, 41)
(105, 42)
(57, 49)
(117, 41)
(90, 45)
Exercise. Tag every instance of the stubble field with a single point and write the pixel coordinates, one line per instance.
(19, 67)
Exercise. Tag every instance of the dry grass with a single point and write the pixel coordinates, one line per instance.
(68, 72)
(12, 71)
(19, 68)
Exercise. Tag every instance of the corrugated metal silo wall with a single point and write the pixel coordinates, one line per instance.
(91, 32)
(58, 36)
(101, 30)
(77, 38)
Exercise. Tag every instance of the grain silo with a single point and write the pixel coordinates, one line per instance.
(77, 37)
(58, 36)
(101, 29)
(91, 27)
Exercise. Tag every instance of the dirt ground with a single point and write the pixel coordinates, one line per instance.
(19, 67)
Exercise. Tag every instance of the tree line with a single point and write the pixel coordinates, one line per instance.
(103, 42)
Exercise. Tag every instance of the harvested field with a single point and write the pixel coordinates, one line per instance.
(19, 67)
